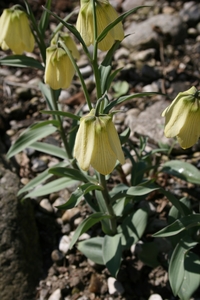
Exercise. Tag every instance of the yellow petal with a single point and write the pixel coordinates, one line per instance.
(115, 141)
(190, 131)
(84, 23)
(106, 14)
(59, 70)
(103, 157)
(84, 143)
(176, 113)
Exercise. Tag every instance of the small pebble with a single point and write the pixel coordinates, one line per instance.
(64, 244)
(56, 295)
(57, 255)
(46, 205)
(70, 214)
(155, 297)
(114, 286)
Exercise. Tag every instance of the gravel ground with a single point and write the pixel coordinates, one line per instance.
(162, 54)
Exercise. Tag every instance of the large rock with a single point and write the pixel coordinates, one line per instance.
(145, 34)
(20, 257)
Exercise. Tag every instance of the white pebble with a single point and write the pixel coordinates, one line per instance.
(64, 244)
(56, 295)
(45, 204)
(155, 297)
(114, 286)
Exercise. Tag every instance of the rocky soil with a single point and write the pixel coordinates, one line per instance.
(161, 54)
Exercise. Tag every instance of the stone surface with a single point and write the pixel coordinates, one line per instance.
(144, 34)
(20, 257)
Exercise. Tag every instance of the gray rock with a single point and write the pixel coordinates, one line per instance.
(190, 12)
(155, 297)
(64, 244)
(46, 205)
(143, 35)
(129, 4)
(154, 128)
(20, 255)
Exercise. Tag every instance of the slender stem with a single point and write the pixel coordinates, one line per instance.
(113, 225)
(61, 129)
(95, 52)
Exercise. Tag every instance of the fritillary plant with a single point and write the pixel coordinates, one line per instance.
(93, 149)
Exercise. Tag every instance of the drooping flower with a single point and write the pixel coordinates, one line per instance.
(182, 118)
(15, 33)
(59, 69)
(105, 14)
(97, 144)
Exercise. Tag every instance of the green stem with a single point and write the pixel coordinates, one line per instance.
(61, 129)
(106, 196)
(95, 53)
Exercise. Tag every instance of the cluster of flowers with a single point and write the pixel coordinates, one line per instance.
(97, 142)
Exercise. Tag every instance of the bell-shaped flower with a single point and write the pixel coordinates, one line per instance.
(97, 144)
(59, 69)
(15, 33)
(105, 14)
(182, 118)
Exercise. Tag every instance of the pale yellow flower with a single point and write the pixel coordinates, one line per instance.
(15, 33)
(97, 144)
(105, 15)
(182, 118)
(59, 70)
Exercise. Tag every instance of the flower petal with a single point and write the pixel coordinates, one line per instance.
(84, 143)
(103, 157)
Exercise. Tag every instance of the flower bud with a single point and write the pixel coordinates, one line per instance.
(97, 144)
(105, 14)
(182, 118)
(15, 33)
(59, 69)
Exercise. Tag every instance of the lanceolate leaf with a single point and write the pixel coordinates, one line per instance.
(39, 179)
(112, 253)
(176, 266)
(28, 137)
(92, 249)
(126, 98)
(180, 225)
(49, 149)
(52, 187)
(61, 113)
(182, 170)
(87, 224)
(76, 196)
(21, 61)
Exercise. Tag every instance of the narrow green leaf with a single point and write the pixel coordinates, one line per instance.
(180, 206)
(76, 196)
(39, 179)
(21, 61)
(119, 206)
(52, 187)
(191, 278)
(140, 190)
(92, 249)
(28, 137)
(176, 266)
(70, 173)
(133, 227)
(126, 98)
(49, 149)
(49, 94)
(87, 224)
(61, 113)
(124, 136)
(182, 170)
(112, 253)
(44, 20)
(179, 225)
